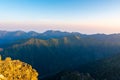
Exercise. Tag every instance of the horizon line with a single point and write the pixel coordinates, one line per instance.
(58, 30)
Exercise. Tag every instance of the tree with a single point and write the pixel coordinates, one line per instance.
(16, 70)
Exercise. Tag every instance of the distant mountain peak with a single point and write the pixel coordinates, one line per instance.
(52, 31)
(33, 33)
(32, 41)
(19, 33)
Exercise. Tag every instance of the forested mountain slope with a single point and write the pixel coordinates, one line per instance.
(54, 55)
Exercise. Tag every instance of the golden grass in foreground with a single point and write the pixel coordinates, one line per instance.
(16, 70)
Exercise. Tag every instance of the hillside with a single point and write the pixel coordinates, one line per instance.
(70, 75)
(9, 37)
(56, 54)
(106, 69)
(56, 51)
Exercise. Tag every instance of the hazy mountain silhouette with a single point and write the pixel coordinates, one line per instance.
(54, 51)
(10, 37)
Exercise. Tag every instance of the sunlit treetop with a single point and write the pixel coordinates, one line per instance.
(16, 70)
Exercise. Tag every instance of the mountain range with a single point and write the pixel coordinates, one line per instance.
(52, 52)
(11, 36)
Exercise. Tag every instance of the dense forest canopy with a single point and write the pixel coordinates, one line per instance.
(16, 70)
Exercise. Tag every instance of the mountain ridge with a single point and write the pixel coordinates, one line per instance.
(54, 51)
(66, 52)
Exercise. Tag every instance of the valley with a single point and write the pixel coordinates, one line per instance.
(52, 52)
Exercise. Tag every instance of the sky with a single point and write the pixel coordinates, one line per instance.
(85, 16)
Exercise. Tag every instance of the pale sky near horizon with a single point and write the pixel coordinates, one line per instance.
(85, 16)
